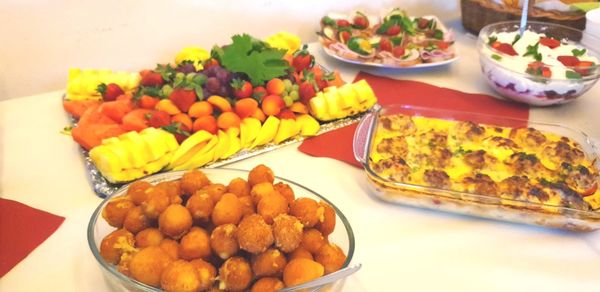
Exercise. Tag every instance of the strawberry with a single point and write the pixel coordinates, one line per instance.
(151, 78)
(393, 30)
(183, 98)
(360, 21)
(109, 92)
(385, 45)
(158, 119)
(147, 102)
(539, 69)
(423, 23)
(398, 52)
(443, 45)
(259, 92)
(343, 23)
(569, 61)
(504, 48)
(242, 88)
(306, 91)
(344, 36)
(286, 113)
(549, 42)
(302, 60)
(583, 67)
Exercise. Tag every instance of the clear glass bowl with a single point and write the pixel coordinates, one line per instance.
(98, 228)
(520, 86)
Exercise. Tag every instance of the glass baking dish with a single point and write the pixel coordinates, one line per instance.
(562, 207)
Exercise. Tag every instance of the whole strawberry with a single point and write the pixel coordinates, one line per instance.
(242, 88)
(109, 92)
(306, 91)
(302, 60)
(151, 78)
(183, 98)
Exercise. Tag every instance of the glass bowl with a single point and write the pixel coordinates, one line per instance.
(98, 228)
(508, 76)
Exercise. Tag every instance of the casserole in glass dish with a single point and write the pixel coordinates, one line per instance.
(481, 165)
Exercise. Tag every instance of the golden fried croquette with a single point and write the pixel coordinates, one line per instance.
(215, 191)
(300, 271)
(286, 191)
(207, 273)
(261, 190)
(254, 234)
(223, 241)
(123, 265)
(135, 220)
(312, 240)
(239, 187)
(326, 223)
(195, 244)
(192, 181)
(331, 257)
(235, 274)
(180, 276)
(137, 191)
(115, 211)
(115, 244)
(173, 189)
(247, 205)
(175, 221)
(148, 237)
(200, 206)
(267, 284)
(287, 231)
(259, 174)
(227, 210)
(272, 205)
(269, 263)
(148, 264)
(307, 210)
(300, 253)
(156, 202)
(171, 247)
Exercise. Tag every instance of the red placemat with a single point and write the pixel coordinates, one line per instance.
(337, 144)
(22, 229)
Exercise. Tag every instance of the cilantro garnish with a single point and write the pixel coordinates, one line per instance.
(517, 38)
(175, 128)
(438, 34)
(260, 63)
(578, 53)
(533, 51)
(572, 75)
(496, 57)
(166, 72)
(492, 40)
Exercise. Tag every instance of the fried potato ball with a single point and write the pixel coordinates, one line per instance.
(239, 186)
(285, 190)
(228, 210)
(171, 247)
(180, 276)
(267, 284)
(235, 274)
(327, 224)
(254, 234)
(115, 211)
(269, 263)
(200, 206)
(307, 210)
(261, 190)
(300, 253)
(272, 205)
(207, 273)
(123, 265)
(300, 271)
(148, 237)
(223, 241)
(137, 191)
(136, 221)
(331, 257)
(215, 191)
(247, 205)
(287, 231)
(115, 244)
(148, 264)
(259, 174)
(156, 202)
(173, 189)
(195, 244)
(192, 181)
(175, 221)
(312, 240)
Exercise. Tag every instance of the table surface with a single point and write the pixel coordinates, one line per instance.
(401, 248)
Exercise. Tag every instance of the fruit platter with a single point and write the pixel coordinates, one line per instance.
(207, 108)
(395, 40)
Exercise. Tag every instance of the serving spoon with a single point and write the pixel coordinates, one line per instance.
(524, 15)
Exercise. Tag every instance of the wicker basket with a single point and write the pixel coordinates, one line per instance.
(478, 13)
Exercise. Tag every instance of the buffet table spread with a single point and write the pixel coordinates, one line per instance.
(400, 248)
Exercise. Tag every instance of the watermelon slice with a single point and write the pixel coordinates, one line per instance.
(76, 108)
(136, 120)
(117, 109)
(91, 135)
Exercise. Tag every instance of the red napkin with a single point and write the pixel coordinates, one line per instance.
(337, 144)
(22, 229)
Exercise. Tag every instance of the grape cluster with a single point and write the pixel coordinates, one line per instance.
(218, 81)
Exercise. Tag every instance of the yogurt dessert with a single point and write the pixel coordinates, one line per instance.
(535, 68)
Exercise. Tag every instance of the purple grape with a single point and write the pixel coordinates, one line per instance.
(213, 84)
(206, 93)
(186, 68)
(223, 91)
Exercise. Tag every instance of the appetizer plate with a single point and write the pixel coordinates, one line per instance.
(386, 66)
